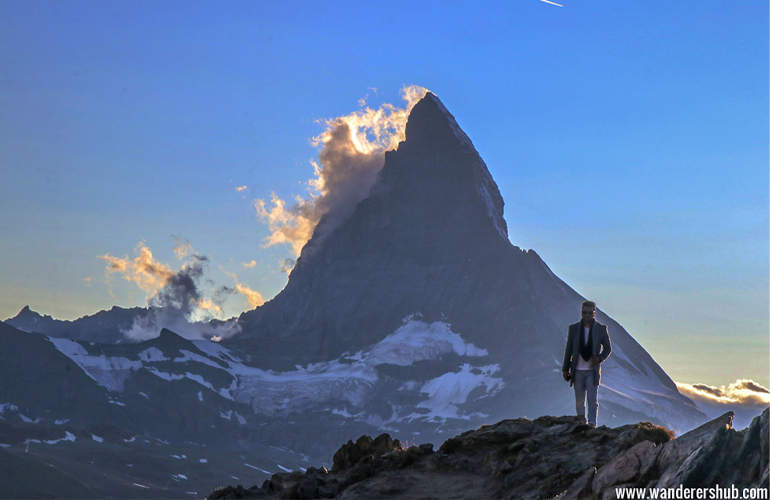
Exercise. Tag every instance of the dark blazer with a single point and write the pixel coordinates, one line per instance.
(601, 347)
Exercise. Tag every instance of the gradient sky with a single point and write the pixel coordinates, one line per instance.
(629, 141)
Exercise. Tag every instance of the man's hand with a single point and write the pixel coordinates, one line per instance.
(565, 374)
(595, 361)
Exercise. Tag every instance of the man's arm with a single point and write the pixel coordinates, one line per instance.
(606, 345)
(567, 353)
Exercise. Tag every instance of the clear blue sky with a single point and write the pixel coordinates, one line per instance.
(629, 141)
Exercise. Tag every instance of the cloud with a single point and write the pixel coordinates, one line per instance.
(287, 265)
(180, 292)
(249, 265)
(181, 250)
(241, 188)
(144, 271)
(352, 153)
(175, 297)
(745, 397)
(254, 297)
(149, 326)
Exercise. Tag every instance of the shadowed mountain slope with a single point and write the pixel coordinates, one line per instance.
(430, 242)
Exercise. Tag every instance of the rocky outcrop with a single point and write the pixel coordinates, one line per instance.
(545, 458)
(713, 454)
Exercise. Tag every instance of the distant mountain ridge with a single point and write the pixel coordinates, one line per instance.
(104, 326)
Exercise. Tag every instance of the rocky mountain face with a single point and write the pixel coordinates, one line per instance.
(549, 457)
(429, 250)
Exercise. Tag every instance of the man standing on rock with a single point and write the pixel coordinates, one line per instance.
(588, 345)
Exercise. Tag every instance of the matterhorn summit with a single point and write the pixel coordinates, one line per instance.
(420, 315)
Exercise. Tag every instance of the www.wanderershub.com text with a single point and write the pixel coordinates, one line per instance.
(715, 492)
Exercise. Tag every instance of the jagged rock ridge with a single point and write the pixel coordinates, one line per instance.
(104, 326)
(549, 457)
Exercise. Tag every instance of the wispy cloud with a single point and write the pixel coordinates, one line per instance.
(240, 189)
(182, 250)
(745, 397)
(143, 270)
(249, 265)
(254, 297)
(287, 265)
(352, 153)
(552, 3)
(176, 299)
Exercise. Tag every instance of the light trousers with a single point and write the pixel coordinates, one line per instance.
(586, 389)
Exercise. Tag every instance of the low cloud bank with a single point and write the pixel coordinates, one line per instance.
(745, 397)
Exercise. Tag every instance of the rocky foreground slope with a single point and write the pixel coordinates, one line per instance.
(549, 457)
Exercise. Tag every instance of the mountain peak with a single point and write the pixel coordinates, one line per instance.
(437, 165)
(26, 318)
(430, 241)
(431, 123)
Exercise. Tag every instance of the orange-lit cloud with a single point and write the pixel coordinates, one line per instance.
(175, 298)
(208, 305)
(352, 152)
(254, 297)
(147, 273)
(744, 397)
(249, 265)
(182, 250)
(292, 226)
(740, 391)
(241, 188)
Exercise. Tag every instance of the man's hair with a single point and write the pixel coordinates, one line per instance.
(589, 304)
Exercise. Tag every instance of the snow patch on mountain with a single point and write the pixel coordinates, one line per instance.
(110, 372)
(417, 341)
(230, 414)
(216, 350)
(451, 389)
(68, 437)
(338, 384)
(152, 354)
(8, 406)
(191, 356)
(348, 380)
